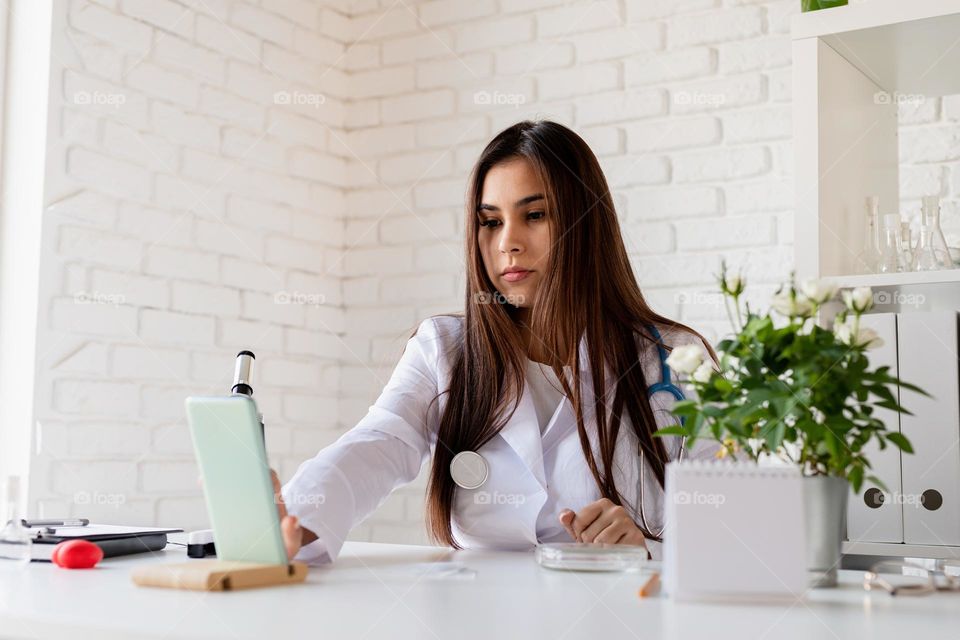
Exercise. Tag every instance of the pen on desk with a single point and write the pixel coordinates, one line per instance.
(76, 522)
(650, 587)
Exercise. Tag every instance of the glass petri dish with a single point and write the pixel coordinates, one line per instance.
(591, 556)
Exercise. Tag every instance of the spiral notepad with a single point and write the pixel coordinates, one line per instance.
(734, 530)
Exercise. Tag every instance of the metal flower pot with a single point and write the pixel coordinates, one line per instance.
(825, 508)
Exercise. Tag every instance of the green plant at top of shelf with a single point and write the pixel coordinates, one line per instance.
(814, 5)
(785, 387)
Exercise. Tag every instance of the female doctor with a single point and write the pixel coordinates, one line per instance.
(537, 406)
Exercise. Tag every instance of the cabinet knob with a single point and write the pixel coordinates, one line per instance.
(931, 500)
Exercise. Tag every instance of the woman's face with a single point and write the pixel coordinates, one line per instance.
(514, 233)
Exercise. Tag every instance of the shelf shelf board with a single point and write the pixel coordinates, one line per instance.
(904, 47)
(898, 550)
(896, 279)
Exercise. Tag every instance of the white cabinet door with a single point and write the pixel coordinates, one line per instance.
(931, 476)
(875, 514)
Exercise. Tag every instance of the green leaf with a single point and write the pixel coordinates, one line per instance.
(856, 477)
(877, 481)
(722, 385)
(674, 430)
(774, 435)
(900, 440)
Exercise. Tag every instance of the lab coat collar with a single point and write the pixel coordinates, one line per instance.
(522, 432)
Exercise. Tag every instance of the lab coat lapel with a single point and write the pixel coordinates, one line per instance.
(564, 418)
(522, 432)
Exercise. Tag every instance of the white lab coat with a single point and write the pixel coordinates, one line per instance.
(532, 476)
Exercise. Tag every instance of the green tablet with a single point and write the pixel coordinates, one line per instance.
(236, 479)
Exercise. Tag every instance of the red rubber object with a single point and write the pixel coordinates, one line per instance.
(76, 554)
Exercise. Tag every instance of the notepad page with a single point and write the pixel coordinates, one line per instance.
(735, 530)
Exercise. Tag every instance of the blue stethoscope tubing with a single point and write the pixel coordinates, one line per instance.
(469, 469)
(665, 384)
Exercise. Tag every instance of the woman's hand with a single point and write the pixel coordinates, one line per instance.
(602, 521)
(293, 534)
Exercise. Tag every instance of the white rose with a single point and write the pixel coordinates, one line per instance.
(703, 372)
(818, 290)
(843, 332)
(686, 358)
(865, 336)
(869, 338)
(734, 283)
(859, 299)
(790, 306)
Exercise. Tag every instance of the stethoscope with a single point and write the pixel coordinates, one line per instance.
(470, 470)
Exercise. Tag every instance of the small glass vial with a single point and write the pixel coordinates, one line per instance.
(890, 247)
(906, 247)
(868, 260)
(15, 540)
(930, 216)
(925, 258)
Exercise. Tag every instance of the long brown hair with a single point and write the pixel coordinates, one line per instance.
(587, 290)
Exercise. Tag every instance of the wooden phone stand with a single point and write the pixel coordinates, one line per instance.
(219, 575)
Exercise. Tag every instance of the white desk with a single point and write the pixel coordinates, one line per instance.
(373, 591)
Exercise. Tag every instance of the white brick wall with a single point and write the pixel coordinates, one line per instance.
(183, 198)
(687, 103)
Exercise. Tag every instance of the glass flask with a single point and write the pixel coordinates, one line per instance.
(930, 216)
(868, 260)
(925, 258)
(906, 247)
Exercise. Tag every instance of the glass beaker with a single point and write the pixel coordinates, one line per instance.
(15, 540)
(890, 247)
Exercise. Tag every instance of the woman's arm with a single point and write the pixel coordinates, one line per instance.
(348, 480)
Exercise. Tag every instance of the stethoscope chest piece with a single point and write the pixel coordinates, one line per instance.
(469, 469)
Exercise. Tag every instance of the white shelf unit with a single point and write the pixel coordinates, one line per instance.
(851, 65)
